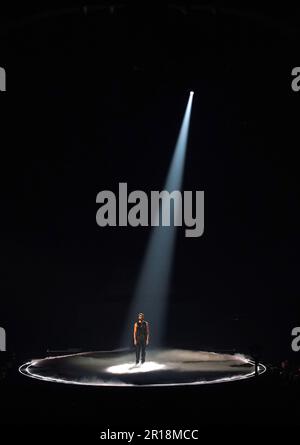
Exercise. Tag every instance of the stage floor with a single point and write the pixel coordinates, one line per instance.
(163, 367)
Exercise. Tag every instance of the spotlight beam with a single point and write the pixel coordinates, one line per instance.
(152, 289)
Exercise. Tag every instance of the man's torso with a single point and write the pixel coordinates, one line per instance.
(141, 332)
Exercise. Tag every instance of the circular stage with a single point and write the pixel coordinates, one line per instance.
(163, 367)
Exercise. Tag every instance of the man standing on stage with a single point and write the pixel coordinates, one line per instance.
(140, 337)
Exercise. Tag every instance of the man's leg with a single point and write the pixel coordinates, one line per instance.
(137, 352)
(143, 351)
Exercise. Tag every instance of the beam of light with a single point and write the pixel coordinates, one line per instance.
(150, 296)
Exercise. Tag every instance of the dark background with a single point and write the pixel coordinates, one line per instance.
(95, 96)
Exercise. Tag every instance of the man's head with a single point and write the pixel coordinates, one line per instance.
(141, 317)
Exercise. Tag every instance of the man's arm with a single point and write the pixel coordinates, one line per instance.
(134, 333)
(148, 332)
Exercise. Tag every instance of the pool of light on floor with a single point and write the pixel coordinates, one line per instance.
(129, 368)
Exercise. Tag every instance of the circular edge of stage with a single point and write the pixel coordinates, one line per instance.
(25, 369)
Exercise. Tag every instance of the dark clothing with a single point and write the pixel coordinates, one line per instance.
(141, 339)
(141, 331)
(140, 349)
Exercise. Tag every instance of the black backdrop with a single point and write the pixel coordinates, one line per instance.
(95, 97)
